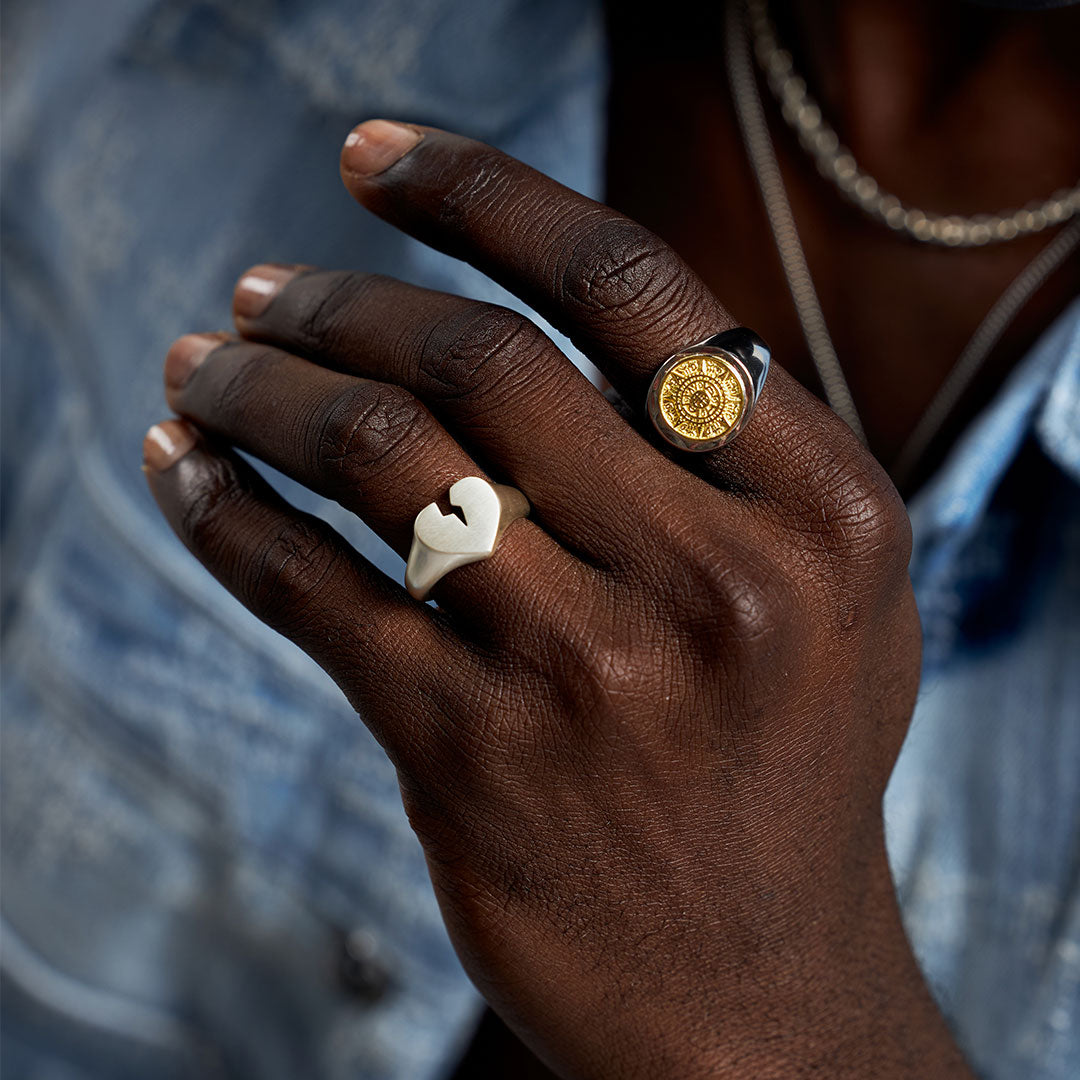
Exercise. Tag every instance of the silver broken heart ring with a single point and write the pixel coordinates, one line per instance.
(443, 542)
(702, 397)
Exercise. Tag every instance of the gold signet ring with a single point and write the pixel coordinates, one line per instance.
(443, 542)
(702, 397)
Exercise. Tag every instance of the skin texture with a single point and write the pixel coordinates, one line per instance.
(954, 105)
(645, 744)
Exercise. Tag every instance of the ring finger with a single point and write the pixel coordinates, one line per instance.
(372, 446)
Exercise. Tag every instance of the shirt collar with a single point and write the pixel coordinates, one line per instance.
(1040, 399)
(1041, 396)
(1057, 426)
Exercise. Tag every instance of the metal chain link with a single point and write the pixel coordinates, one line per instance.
(838, 165)
(755, 131)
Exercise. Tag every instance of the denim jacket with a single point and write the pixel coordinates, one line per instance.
(206, 868)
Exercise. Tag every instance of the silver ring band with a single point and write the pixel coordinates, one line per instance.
(443, 542)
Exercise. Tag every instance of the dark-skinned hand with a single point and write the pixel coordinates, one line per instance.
(645, 744)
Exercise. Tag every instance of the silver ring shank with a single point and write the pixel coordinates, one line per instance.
(748, 347)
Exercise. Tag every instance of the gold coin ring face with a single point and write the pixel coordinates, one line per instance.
(699, 400)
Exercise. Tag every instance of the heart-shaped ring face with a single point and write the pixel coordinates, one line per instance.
(442, 542)
(447, 533)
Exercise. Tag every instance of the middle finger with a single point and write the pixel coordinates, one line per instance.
(493, 377)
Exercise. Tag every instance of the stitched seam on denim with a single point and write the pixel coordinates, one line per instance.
(97, 1007)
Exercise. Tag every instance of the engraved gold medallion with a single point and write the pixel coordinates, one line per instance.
(701, 397)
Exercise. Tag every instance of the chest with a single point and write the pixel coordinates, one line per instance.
(899, 312)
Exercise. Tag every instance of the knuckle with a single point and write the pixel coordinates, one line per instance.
(208, 501)
(364, 429)
(481, 348)
(286, 572)
(486, 182)
(839, 503)
(279, 574)
(316, 308)
(755, 608)
(237, 394)
(621, 267)
(603, 670)
(874, 523)
(863, 518)
(739, 600)
(722, 588)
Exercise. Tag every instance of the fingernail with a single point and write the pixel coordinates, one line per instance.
(166, 443)
(186, 354)
(258, 287)
(375, 145)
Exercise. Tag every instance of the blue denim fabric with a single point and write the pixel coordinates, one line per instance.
(983, 810)
(193, 819)
(194, 822)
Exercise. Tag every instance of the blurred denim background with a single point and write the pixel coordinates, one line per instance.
(206, 866)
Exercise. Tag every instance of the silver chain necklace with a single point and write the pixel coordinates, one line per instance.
(838, 165)
(755, 133)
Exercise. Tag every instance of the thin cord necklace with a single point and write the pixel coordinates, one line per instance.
(758, 142)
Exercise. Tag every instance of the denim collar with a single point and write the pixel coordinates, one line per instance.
(1040, 399)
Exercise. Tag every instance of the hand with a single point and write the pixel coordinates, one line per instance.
(645, 744)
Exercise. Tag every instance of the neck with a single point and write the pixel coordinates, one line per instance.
(954, 107)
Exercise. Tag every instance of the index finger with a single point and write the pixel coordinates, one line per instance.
(622, 295)
(616, 289)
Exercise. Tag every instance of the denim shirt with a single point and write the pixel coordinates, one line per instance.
(206, 867)
(983, 808)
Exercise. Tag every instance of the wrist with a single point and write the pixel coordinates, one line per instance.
(839, 994)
